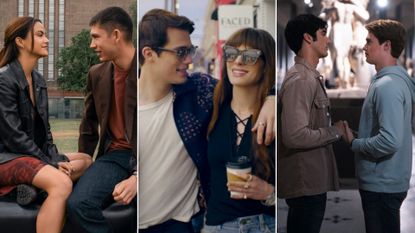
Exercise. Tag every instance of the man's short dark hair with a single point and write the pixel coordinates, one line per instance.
(296, 27)
(114, 18)
(386, 29)
(153, 28)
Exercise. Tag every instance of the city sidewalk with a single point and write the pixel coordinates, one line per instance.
(344, 212)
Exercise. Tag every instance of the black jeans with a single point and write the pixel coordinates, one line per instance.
(170, 226)
(93, 192)
(382, 211)
(305, 214)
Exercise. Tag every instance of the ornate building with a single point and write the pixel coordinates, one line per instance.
(62, 19)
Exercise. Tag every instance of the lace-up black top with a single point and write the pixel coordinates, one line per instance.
(222, 148)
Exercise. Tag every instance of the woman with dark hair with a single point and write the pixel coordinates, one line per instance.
(248, 75)
(28, 157)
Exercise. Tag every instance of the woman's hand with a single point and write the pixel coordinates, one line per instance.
(66, 167)
(254, 188)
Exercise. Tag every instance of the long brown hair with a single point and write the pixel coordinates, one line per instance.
(20, 27)
(257, 39)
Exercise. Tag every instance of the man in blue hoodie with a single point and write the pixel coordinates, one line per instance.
(384, 144)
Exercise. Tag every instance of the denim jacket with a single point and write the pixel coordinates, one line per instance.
(192, 110)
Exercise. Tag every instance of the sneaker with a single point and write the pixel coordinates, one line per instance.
(26, 194)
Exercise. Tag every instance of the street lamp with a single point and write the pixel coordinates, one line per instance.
(382, 4)
(309, 3)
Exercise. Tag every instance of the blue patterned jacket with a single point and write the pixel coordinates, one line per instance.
(192, 110)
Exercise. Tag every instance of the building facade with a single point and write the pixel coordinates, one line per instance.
(62, 19)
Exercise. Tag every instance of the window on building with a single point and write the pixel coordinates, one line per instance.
(20, 8)
(61, 39)
(51, 41)
(42, 18)
(31, 8)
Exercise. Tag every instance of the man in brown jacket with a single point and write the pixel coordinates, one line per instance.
(306, 163)
(110, 116)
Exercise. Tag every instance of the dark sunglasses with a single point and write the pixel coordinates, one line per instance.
(181, 52)
(249, 56)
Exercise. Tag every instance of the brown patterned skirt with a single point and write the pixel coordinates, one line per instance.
(21, 170)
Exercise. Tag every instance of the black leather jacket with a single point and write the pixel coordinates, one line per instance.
(20, 134)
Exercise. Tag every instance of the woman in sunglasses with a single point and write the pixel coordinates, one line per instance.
(248, 74)
(28, 157)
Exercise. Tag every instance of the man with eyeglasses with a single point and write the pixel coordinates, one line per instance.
(306, 166)
(175, 109)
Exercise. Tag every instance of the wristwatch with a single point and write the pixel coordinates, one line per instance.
(270, 201)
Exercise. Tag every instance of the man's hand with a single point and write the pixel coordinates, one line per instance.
(340, 127)
(126, 190)
(265, 124)
(348, 136)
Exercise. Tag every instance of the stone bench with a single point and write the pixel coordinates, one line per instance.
(17, 219)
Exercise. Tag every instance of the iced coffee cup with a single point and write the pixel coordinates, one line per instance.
(237, 171)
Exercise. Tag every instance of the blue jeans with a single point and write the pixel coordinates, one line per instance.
(197, 221)
(170, 226)
(93, 192)
(253, 224)
(382, 211)
(305, 214)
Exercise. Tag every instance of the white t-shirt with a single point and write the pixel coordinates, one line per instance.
(168, 186)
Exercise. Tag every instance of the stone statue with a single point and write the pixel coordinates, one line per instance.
(346, 24)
